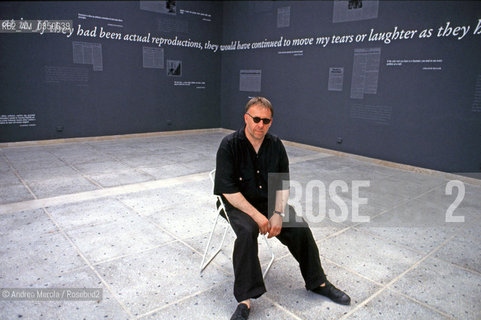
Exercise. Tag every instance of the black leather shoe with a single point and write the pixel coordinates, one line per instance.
(333, 293)
(241, 313)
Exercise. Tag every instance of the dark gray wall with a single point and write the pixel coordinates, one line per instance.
(122, 98)
(433, 119)
(427, 118)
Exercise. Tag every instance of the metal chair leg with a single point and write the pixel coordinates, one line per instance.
(202, 264)
(272, 257)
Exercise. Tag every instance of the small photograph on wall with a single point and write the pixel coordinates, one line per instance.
(354, 10)
(165, 7)
(174, 68)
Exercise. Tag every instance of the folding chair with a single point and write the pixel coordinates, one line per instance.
(221, 208)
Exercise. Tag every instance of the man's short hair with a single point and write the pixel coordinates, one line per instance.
(260, 101)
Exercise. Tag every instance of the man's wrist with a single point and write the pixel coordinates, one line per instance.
(279, 213)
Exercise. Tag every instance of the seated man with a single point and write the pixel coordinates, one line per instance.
(244, 160)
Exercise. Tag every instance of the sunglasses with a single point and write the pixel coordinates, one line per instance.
(257, 119)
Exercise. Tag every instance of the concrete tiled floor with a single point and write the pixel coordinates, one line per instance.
(132, 216)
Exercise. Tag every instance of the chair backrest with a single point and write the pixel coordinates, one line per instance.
(212, 178)
(219, 203)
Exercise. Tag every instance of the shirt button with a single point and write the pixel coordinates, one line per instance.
(260, 187)
(258, 171)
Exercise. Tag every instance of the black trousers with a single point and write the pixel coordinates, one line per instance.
(296, 236)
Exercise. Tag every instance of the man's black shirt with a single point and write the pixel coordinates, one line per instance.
(240, 169)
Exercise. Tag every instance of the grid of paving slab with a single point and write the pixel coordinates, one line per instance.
(132, 216)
